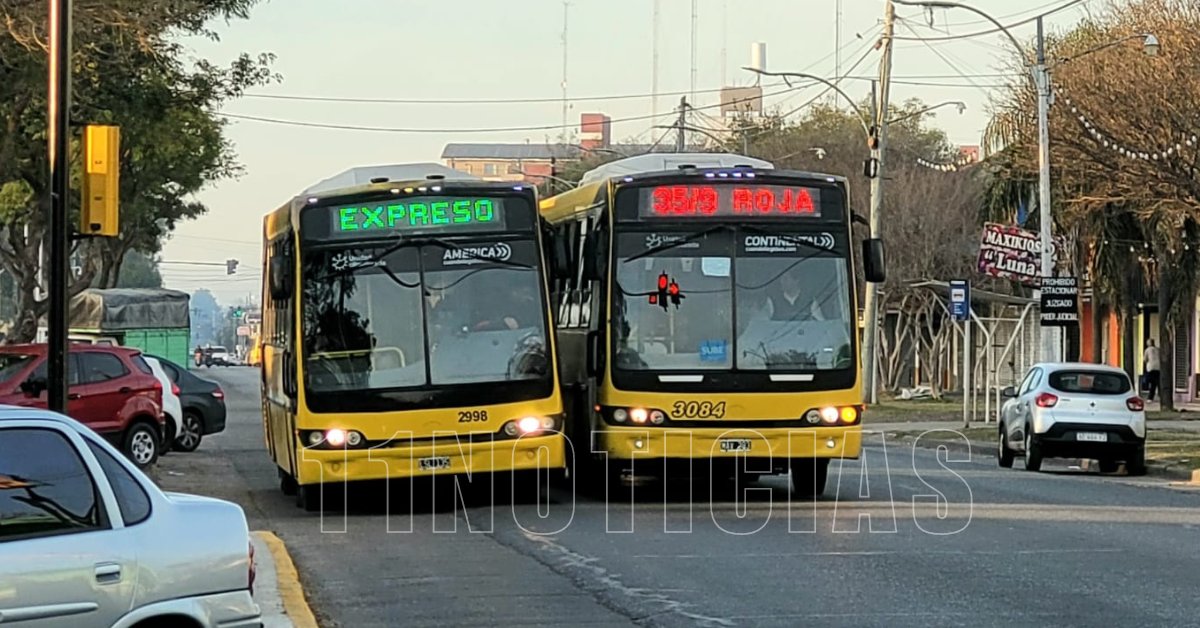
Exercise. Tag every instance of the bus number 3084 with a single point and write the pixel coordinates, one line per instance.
(698, 410)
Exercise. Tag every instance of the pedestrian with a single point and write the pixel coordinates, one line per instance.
(1150, 362)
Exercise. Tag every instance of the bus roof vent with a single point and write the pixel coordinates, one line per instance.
(379, 179)
(663, 162)
(435, 177)
(389, 172)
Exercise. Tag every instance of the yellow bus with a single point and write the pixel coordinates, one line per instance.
(405, 331)
(710, 317)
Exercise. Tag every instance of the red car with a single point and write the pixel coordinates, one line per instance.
(111, 390)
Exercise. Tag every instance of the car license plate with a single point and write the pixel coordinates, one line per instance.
(735, 444)
(1094, 437)
(435, 463)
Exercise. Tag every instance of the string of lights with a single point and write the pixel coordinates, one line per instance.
(1107, 140)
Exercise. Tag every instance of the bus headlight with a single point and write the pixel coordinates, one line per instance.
(830, 415)
(620, 415)
(813, 416)
(639, 415)
(849, 415)
(333, 438)
(529, 425)
(658, 417)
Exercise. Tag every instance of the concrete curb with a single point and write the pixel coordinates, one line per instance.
(988, 449)
(277, 587)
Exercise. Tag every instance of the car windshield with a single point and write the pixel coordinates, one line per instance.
(746, 301)
(1090, 382)
(13, 363)
(386, 317)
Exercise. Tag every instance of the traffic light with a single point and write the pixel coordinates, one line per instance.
(231, 266)
(99, 212)
(660, 297)
(676, 295)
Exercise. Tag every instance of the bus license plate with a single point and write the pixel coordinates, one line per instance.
(731, 445)
(434, 464)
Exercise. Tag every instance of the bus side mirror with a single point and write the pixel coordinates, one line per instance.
(593, 269)
(874, 265)
(281, 277)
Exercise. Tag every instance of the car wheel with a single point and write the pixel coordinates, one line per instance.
(188, 440)
(141, 444)
(1004, 455)
(809, 476)
(1033, 452)
(1109, 466)
(1136, 465)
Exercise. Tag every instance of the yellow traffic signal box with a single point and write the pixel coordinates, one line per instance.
(99, 213)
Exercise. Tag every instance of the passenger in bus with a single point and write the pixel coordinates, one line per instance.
(789, 301)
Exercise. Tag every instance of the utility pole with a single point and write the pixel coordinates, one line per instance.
(1049, 335)
(680, 138)
(59, 125)
(654, 60)
(565, 135)
(878, 142)
(695, 43)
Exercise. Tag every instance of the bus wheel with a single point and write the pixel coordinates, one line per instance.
(287, 483)
(308, 497)
(808, 476)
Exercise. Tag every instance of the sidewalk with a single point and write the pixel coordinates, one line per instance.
(1182, 425)
(276, 585)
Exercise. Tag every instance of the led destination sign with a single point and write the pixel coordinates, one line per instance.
(730, 200)
(445, 214)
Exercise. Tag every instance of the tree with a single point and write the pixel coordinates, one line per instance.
(1125, 156)
(139, 270)
(129, 70)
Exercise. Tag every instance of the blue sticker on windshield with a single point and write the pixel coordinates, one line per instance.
(713, 351)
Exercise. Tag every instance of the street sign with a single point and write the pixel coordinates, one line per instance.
(960, 300)
(1060, 301)
(243, 330)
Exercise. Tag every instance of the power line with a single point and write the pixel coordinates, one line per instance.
(478, 101)
(1064, 6)
(946, 59)
(1010, 15)
(543, 127)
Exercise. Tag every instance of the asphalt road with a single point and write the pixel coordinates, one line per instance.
(913, 538)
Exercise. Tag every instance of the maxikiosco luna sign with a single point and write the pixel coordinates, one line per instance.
(1010, 253)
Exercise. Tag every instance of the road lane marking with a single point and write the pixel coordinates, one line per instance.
(290, 591)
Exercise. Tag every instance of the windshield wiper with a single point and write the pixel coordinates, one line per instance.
(666, 246)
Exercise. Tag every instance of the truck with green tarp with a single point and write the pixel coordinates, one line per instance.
(155, 320)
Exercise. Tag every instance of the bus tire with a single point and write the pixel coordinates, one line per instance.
(809, 476)
(308, 497)
(287, 483)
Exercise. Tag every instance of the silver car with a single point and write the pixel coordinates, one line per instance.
(87, 540)
(1065, 410)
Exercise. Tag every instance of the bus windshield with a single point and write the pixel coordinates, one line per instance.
(747, 301)
(382, 317)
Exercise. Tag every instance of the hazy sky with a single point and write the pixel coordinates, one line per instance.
(503, 49)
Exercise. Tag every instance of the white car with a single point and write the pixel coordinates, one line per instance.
(1066, 410)
(86, 539)
(220, 356)
(171, 405)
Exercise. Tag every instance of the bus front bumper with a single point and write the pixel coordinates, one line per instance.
(449, 458)
(629, 443)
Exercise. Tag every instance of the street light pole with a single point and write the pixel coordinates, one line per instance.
(878, 140)
(1041, 78)
(59, 124)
